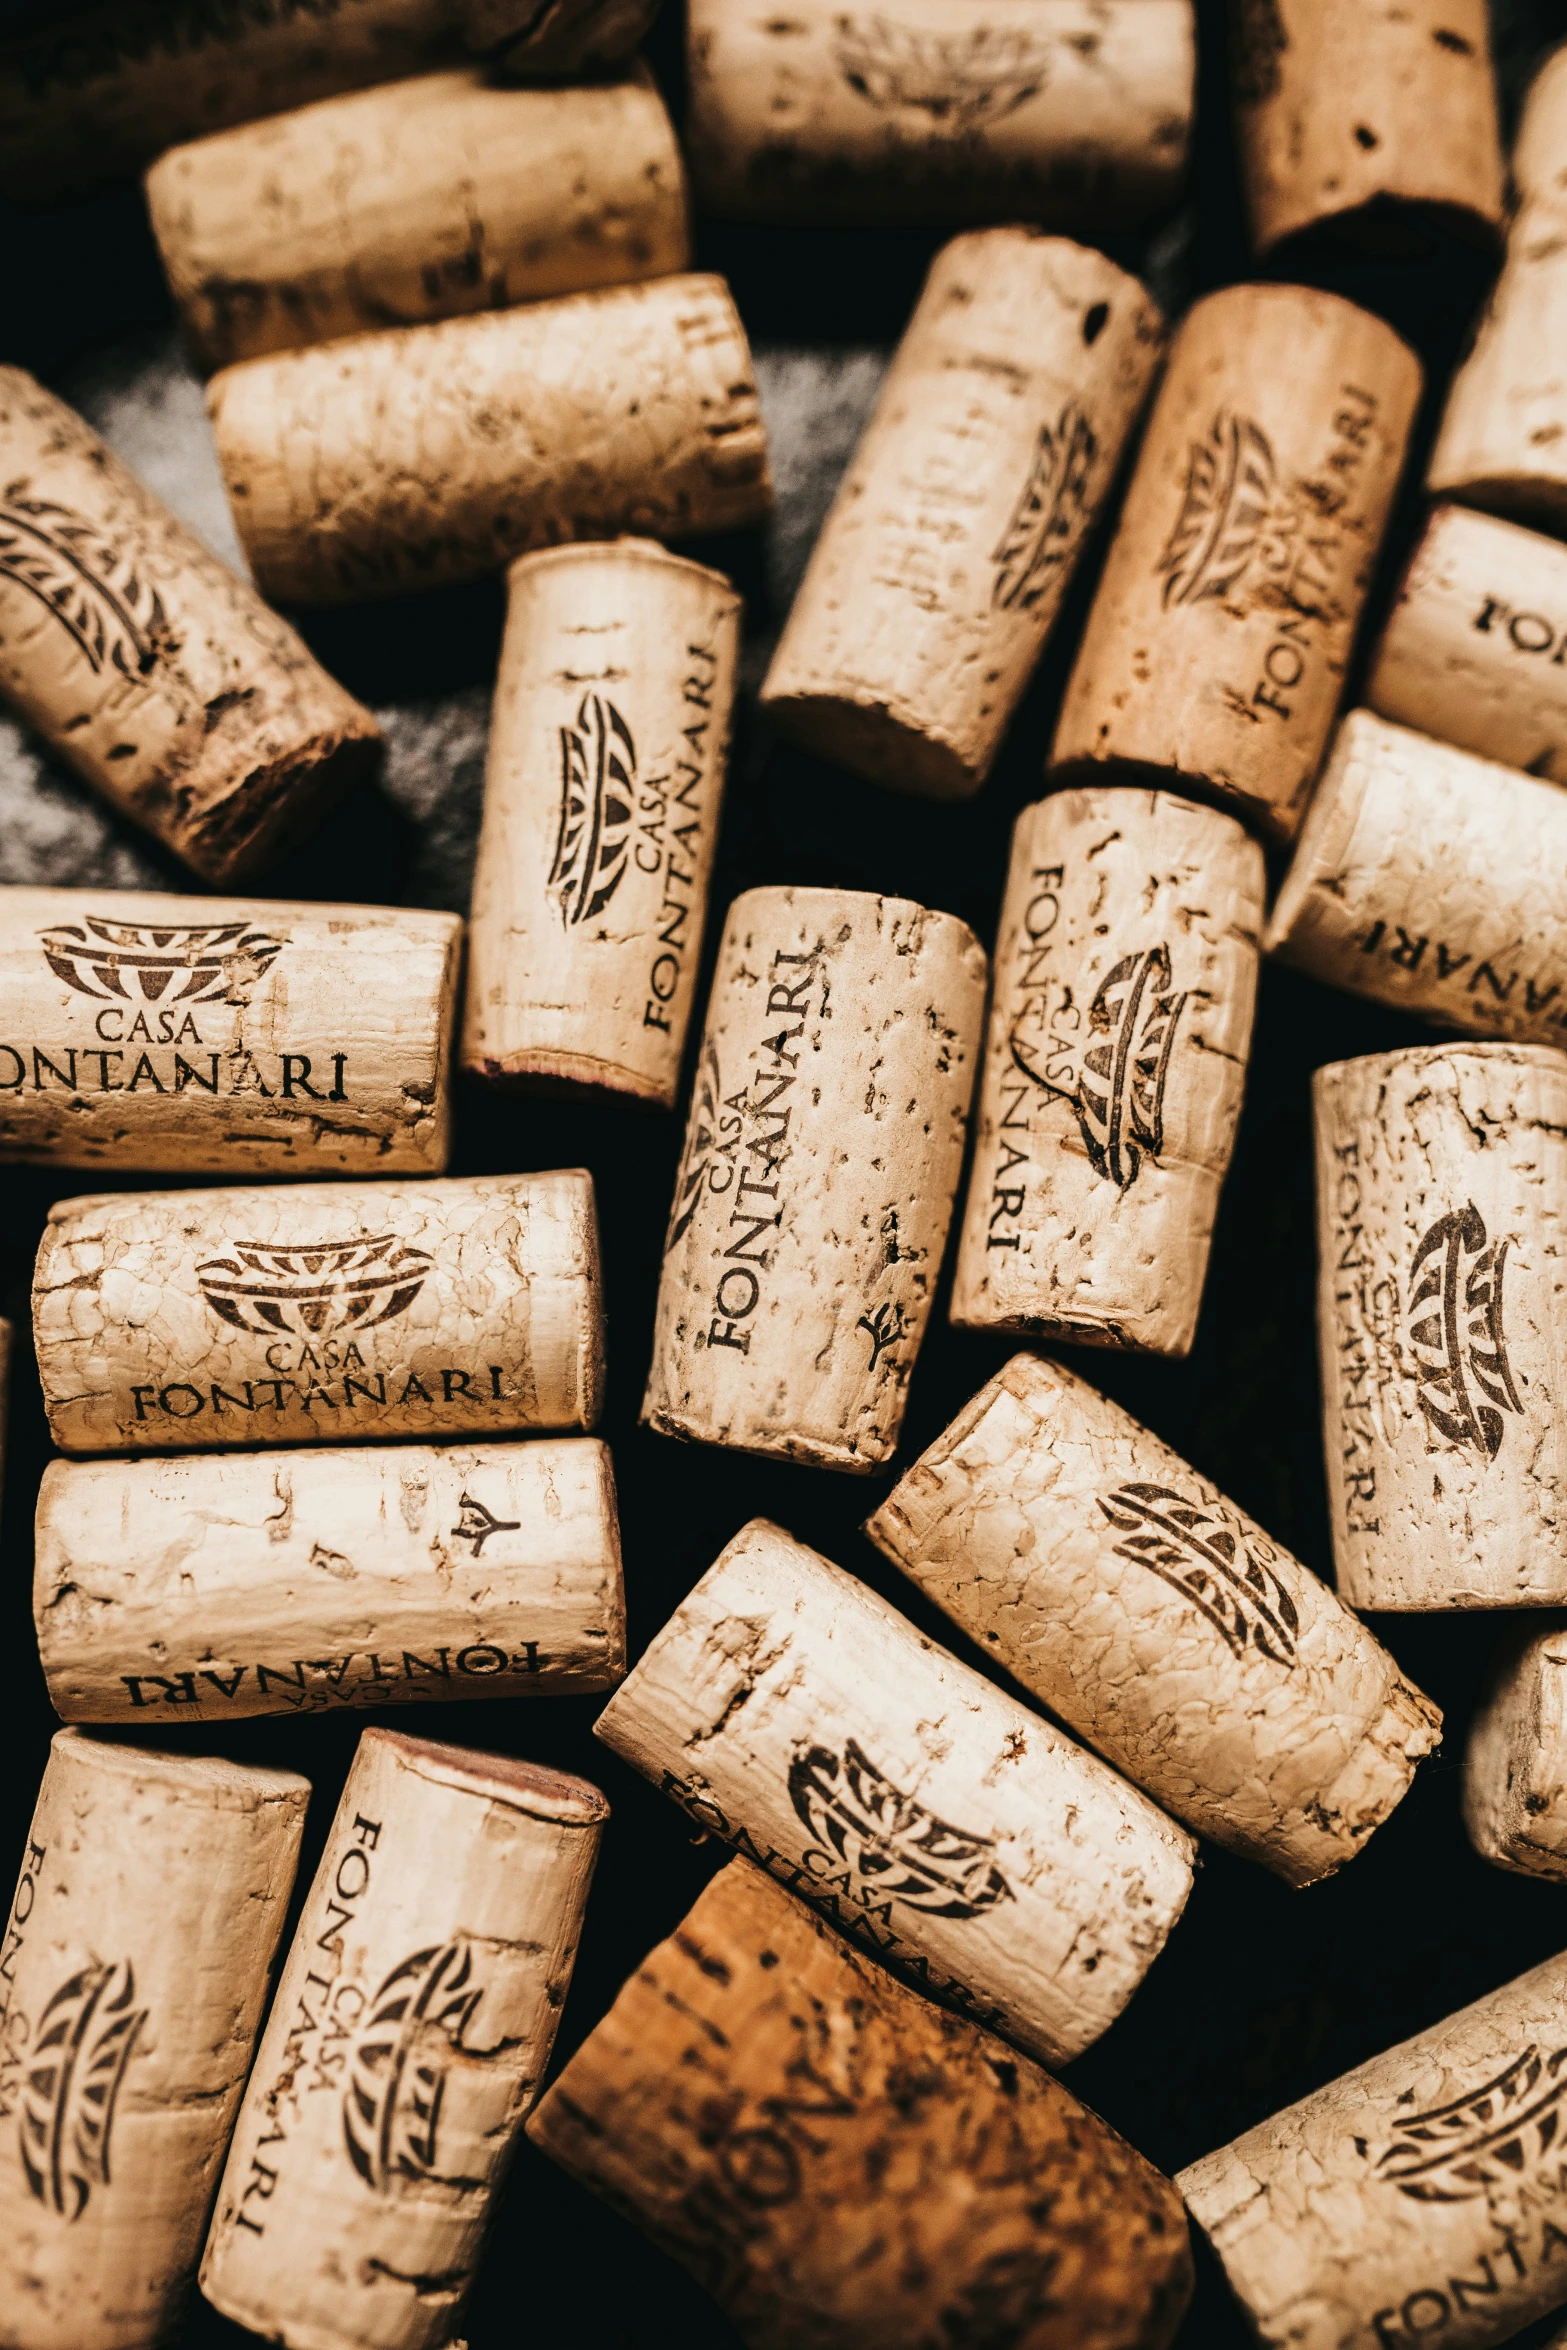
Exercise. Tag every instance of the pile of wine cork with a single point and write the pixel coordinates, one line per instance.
(1262, 599)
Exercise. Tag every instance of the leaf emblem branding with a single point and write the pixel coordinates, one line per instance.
(697, 1159)
(177, 962)
(1231, 492)
(1489, 2137)
(897, 1847)
(86, 2037)
(1050, 515)
(1118, 1089)
(1466, 1381)
(1226, 1574)
(598, 774)
(65, 563)
(959, 82)
(314, 1289)
(401, 2059)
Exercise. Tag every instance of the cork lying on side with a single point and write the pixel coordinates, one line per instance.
(316, 1313)
(1515, 1764)
(747, 2103)
(412, 2025)
(138, 1956)
(930, 1817)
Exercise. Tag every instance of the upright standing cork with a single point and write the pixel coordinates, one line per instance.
(438, 453)
(929, 1816)
(419, 200)
(1434, 881)
(749, 2103)
(1416, 2200)
(1070, 112)
(212, 1586)
(962, 516)
(137, 1960)
(1442, 1316)
(222, 1035)
(602, 787)
(1216, 648)
(1120, 1021)
(1375, 124)
(821, 1161)
(316, 1313)
(1515, 1764)
(1155, 1619)
(412, 2025)
(146, 665)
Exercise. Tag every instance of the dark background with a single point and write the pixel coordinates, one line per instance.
(1263, 1993)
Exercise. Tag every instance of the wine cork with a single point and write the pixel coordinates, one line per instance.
(1441, 1312)
(205, 1588)
(138, 1952)
(147, 666)
(224, 1035)
(419, 200)
(1215, 651)
(932, 1819)
(319, 1313)
(1502, 443)
(1515, 1764)
(1156, 1620)
(602, 789)
(413, 2021)
(557, 40)
(1076, 113)
(1376, 125)
(1433, 881)
(437, 453)
(1120, 1021)
(1412, 2201)
(827, 2204)
(960, 521)
(821, 1162)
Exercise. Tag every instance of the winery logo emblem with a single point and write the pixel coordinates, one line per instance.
(401, 2060)
(476, 1524)
(86, 2037)
(598, 773)
(1049, 517)
(885, 1328)
(1117, 1090)
(1258, 41)
(1489, 2137)
(1455, 1328)
(962, 82)
(898, 1848)
(316, 1289)
(116, 620)
(1226, 1571)
(160, 962)
(1229, 498)
(699, 1159)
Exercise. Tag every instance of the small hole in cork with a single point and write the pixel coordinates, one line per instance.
(1094, 320)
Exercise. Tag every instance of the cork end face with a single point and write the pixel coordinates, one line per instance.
(204, 1779)
(1393, 231)
(541, 1793)
(1536, 499)
(874, 740)
(275, 805)
(564, 1076)
(783, 1444)
(1169, 1334)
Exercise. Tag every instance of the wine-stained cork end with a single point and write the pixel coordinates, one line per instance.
(530, 1788)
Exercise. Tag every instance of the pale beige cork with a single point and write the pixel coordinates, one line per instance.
(1377, 123)
(857, 2216)
(1215, 652)
(216, 1585)
(1415, 2199)
(603, 783)
(965, 509)
(412, 2025)
(1441, 1309)
(316, 1313)
(930, 1817)
(1120, 1023)
(235, 1036)
(1515, 1763)
(1073, 113)
(138, 1957)
(1159, 1622)
(431, 454)
(821, 1162)
(423, 199)
(1475, 649)
(145, 664)
(1433, 881)
(1503, 437)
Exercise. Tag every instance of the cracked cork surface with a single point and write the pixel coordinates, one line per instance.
(1515, 1763)
(956, 530)
(429, 454)
(1441, 1187)
(931, 1818)
(821, 1163)
(1215, 651)
(176, 1320)
(1158, 1622)
(145, 664)
(843, 2165)
(1120, 1024)
(413, 2021)
(138, 1956)
(605, 774)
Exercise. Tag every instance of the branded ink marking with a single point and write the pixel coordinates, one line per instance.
(1526, 632)
(314, 1289)
(317, 1684)
(87, 585)
(1365, 1327)
(1230, 490)
(1483, 2139)
(401, 2060)
(675, 801)
(1460, 1348)
(1224, 1569)
(75, 2065)
(950, 83)
(597, 801)
(884, 1328)
(760, 2160)
(1008, 1189)
(1487, 984)
(712, 1139)
(13, 2025)
(889, 1839)
(476, 1523)
(1050, 515)
(1116, 1086)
